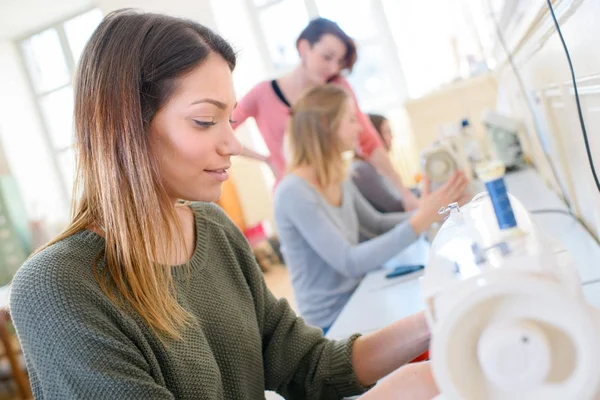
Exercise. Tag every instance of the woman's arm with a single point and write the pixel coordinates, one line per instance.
(379, 353)
(372, 220)
(375, 190)
(246, 108)
(411, 382)
(421, 219)
(380, 159)
(246, 152)
(298, 206)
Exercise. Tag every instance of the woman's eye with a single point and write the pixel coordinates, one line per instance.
(232, 121)
(204, 124)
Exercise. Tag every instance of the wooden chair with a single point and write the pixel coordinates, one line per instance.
(11, 351)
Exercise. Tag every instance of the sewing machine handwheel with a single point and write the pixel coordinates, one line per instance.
(512, 339)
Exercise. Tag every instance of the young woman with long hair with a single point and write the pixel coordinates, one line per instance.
(144, 296)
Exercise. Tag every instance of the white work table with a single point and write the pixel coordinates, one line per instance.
(378, 301)
(530, 189)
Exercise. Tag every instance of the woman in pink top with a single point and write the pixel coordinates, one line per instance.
(325, 50)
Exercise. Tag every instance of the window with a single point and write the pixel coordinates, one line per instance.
(406, 48)
(438, 41)
(370, 79)
(281, 22)
(356, 19)
(51, 57)
(373, 78)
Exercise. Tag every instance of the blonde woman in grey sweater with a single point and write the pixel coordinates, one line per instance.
(320, 213)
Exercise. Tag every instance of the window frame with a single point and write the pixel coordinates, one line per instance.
(37, 96)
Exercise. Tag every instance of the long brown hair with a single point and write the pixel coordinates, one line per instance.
(312, 131)
(127, 72)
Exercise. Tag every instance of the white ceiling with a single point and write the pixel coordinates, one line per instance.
(21, 17)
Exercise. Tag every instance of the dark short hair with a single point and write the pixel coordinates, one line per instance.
(319, 27)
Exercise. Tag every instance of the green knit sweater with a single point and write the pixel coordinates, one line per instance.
(79, 345)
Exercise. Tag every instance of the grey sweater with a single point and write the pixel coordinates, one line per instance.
(378, 191)
(79, 345)
(320, 244)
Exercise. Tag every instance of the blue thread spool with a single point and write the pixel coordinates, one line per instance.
(492, 174)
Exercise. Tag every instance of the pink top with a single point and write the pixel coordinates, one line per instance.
(271, 115)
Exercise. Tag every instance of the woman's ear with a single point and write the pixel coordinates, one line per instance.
(303, 48)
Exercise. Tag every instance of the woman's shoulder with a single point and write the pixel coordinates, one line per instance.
(71, 255)
(261, 89)
(296, 187)
(215, 219)
(57, 273)
(361, 170)
(212, 214)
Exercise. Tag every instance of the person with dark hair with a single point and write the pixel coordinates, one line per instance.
(148, 296)
(325, 51)
(375, 187)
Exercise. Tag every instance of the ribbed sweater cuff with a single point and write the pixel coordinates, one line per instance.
(342, 376)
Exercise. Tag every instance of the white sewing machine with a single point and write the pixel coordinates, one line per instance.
(442, 159)
(506, 311)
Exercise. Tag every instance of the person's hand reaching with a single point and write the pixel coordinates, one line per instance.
(431, 202)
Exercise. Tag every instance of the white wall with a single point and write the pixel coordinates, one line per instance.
(542, 63)
(21, 17)
(199, 10)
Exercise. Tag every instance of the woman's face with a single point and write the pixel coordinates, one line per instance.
(386, 134)
(191, 135)
(324, 59)
(349, 128)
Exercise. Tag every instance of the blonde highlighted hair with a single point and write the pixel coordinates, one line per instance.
(128, 70)
(313, 133)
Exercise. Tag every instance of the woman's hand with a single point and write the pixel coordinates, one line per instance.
(409, 200)
(411, 382)
(431, 202)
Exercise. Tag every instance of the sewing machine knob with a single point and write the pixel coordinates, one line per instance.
(452, 208)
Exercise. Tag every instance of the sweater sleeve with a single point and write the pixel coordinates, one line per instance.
(299, 363)
(375, 221)
(73, 346)
(247, 107)
(371, 185)
(302, 209)
(369, 139)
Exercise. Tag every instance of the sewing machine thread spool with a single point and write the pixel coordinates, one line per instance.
(492, 174)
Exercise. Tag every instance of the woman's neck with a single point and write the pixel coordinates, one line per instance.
(307, 173)
(181, 252)
(294, 83)
(332, 193)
